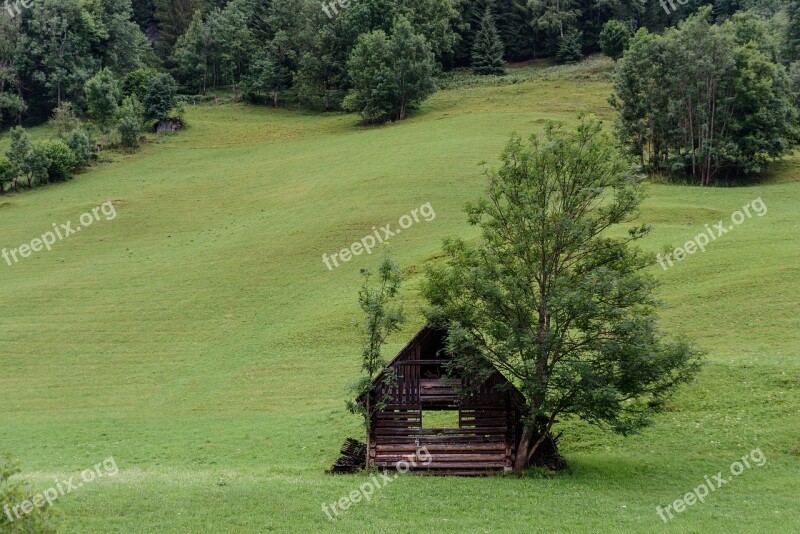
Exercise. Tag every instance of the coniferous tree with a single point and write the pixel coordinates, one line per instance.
(487, 53)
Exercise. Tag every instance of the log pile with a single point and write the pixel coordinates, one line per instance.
(353, 459)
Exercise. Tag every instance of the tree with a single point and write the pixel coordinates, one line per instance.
(705, 100)
(102, 98)
(38, 164)
(64, 119)
(160, 97)
(19, 152)
(15, 491)
(614, 39)
(136, 82)
(12, 105)
(487, 52)
(7, 173)
(570, 47)
(174, 18)
(381, 319)
(82, 146)
(389, 74)
(129, 122)
(549, 298)
(793, 31)
(192, 55)
(262, 78)
(59, 41)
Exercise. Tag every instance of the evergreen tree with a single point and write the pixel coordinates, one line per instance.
(793, 31)
(487, 52)
(570, 47)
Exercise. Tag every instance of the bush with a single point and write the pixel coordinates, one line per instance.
(129, 122)
(160, 97)
(14, 493)
(82, 146)
(570, 47)
(61, 159)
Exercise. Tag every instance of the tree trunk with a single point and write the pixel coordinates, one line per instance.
(521, 462)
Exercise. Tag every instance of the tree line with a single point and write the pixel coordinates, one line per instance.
(380, 58)
(290, 51)
(715, 102)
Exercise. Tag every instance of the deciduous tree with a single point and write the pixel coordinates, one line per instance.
(549, 298)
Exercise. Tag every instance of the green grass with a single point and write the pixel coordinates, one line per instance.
(199, 339)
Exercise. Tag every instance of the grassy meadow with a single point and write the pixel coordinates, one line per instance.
(199, 339)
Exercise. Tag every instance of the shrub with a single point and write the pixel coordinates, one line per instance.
(14, 493)
(61, 159)
(82, 146)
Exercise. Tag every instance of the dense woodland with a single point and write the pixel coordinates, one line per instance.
(112, 68)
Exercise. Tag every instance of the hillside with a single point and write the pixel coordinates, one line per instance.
(198, 338)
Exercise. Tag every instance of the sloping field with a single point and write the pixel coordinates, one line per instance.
(198, 338)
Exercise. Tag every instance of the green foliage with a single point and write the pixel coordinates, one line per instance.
(174, 18)
(192, 55)
(38, 164)
(14, 493)
(160, 97)
(614, 39)
(262, 78)
(546, 296)
(7, 173)
(390, 75)
(130, 119)
(19, 151)
(487, 52)
(102, 98)
(381, 319)
(64, 119)
(82, 146)
(570, 47)
(60, 160)
(137, 82)
(705, 100)
(792, 39)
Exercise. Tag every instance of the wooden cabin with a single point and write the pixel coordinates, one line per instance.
(467, 429)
